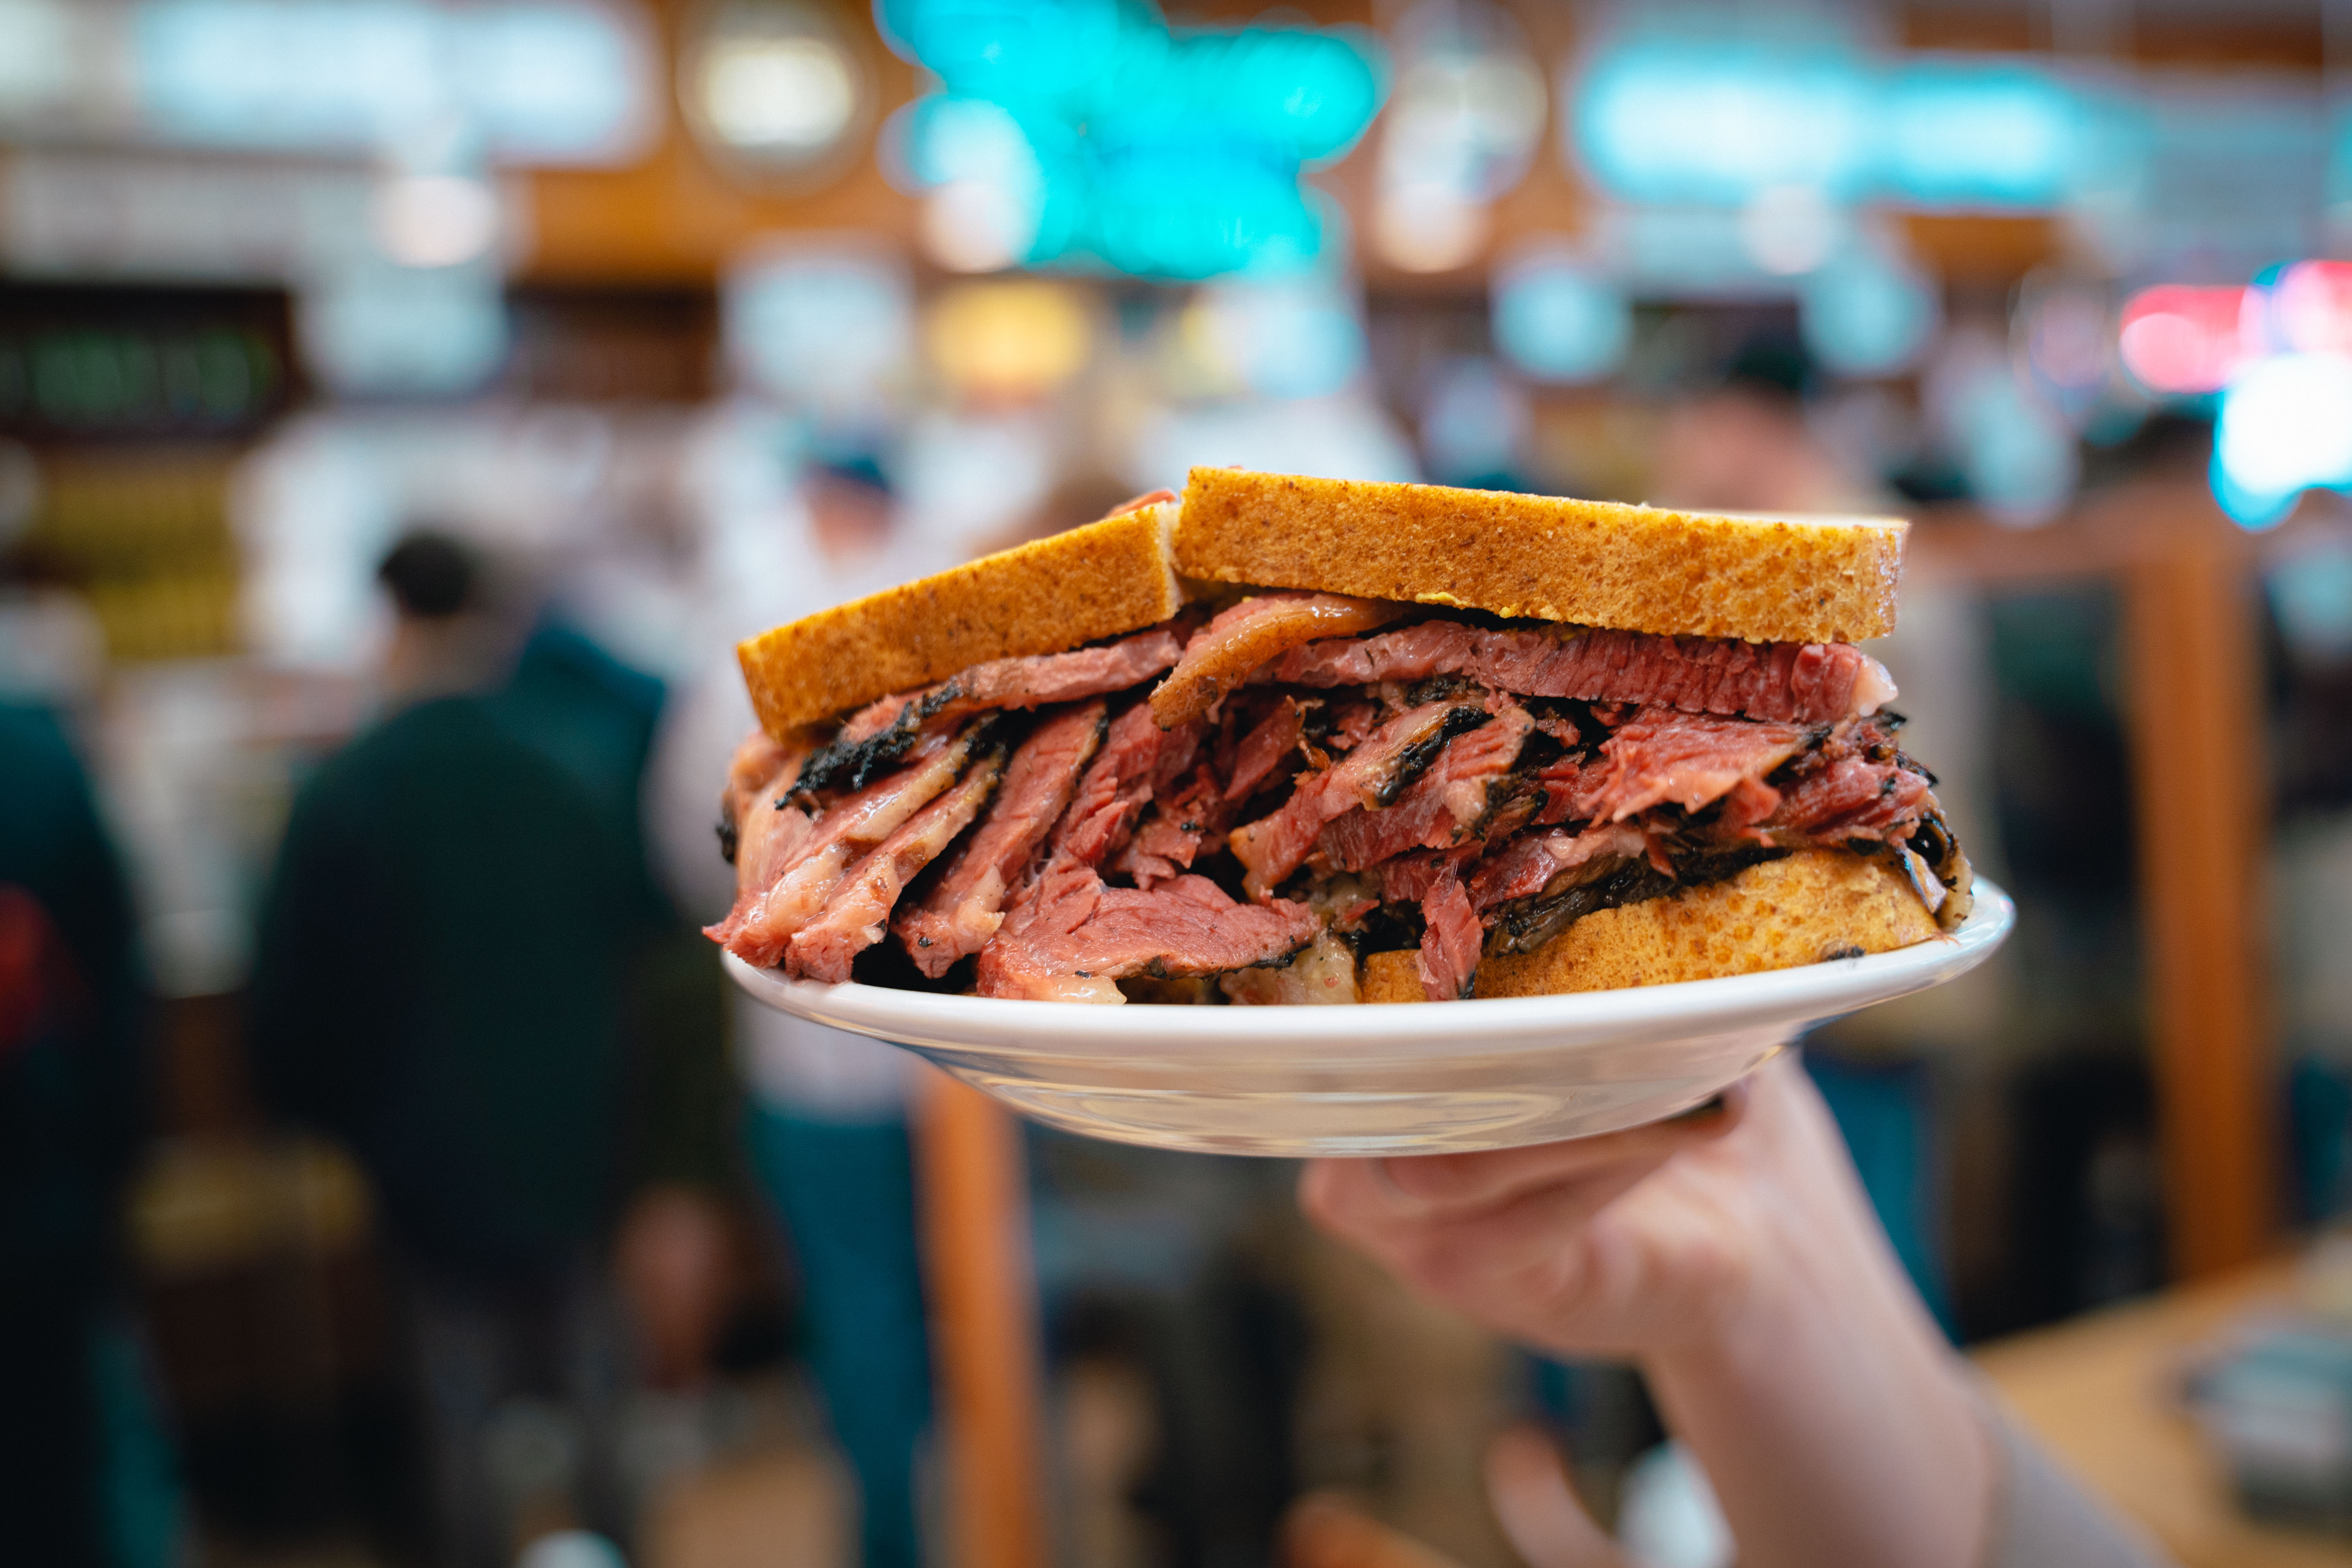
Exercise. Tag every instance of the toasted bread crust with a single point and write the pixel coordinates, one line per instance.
(1098, 580)
(1593, 563)
(1821, 903)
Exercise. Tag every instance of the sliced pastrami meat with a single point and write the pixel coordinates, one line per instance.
(1444, 805)
(753, 775)
(766, 919)
(858, 913)
(1351, 722)
(966, 904)
(758, 827)
(1813, 683)
(1451, 938)
(1660, 756)
(878, 735)
(1410, 878)
(1528, 866)
(1566, 784)
(1170, 838)
(1222, 654)
(1071, 939)
(1136, 753)
(1067, 677)
(1848, 783)
(1849, 799)
(1262, 749)
(1374, 775)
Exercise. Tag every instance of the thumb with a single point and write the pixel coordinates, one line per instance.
(1527, 1482)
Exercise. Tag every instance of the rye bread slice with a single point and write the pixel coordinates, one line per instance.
(1814, 905)
(1599, 564)
(1099, 580)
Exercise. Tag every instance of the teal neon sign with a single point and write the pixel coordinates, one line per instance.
(1165, 153)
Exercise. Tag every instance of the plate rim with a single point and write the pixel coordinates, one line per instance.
(1069, 1031)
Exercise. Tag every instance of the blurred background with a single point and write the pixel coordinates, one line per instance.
(406, 406)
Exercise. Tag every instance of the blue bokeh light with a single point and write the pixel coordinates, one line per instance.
(543, 82)
(553, 82)
(1866, 313)
(1675, 116)
(1669, 119)
(818, 325)
(1557, 321)
(1293, 338)
(1166, 153)
(1980, 134)
(2286, 427)
(262, 73)
(1036, 51)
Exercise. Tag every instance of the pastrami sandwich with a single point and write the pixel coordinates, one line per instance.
(1297, 740)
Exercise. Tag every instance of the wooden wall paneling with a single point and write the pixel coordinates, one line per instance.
(973, 1197)
(2187, 579)
(2195, 698)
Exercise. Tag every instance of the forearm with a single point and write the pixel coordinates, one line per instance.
(1835, 1441)
(1832, 1419)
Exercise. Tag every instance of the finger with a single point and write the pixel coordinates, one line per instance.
(1528, 1485)
(1456, 1182)
(1359, 1200)
(1527, 1254)
(1469, 1181)
(1524, 1246)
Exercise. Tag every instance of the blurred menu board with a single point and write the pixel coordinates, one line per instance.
(142, 535)
(80, 363)
(130, 405)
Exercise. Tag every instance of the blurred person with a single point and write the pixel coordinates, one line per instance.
(825, 1123)
(445, 635)
(71, 1003)
(1746, 444)
(445, 955)
(1732, 1255)
(849, 507)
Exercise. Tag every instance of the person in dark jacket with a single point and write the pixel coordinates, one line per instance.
(71, 1008)
(441, 981)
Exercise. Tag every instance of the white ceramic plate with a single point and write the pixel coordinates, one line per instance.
(1381, 1080)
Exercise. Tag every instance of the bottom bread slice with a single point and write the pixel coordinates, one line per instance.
(1818, 904)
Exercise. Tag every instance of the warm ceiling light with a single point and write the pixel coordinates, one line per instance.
(790, 94)
(1429, 228)
(773, 88)
(1013, 340)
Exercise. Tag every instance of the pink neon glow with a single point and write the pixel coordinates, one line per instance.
(2180, 338)
(2312, 303)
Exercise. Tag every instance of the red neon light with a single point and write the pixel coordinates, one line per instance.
(2180, 338)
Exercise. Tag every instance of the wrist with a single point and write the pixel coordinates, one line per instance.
(1834, 1434)
(1834, 1420)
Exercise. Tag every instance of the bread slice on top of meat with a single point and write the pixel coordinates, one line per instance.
(1559, 745)
(1596, 563)
(1113, 576)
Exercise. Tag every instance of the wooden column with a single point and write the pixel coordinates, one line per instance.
(973, 1195)
(2195, 698)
